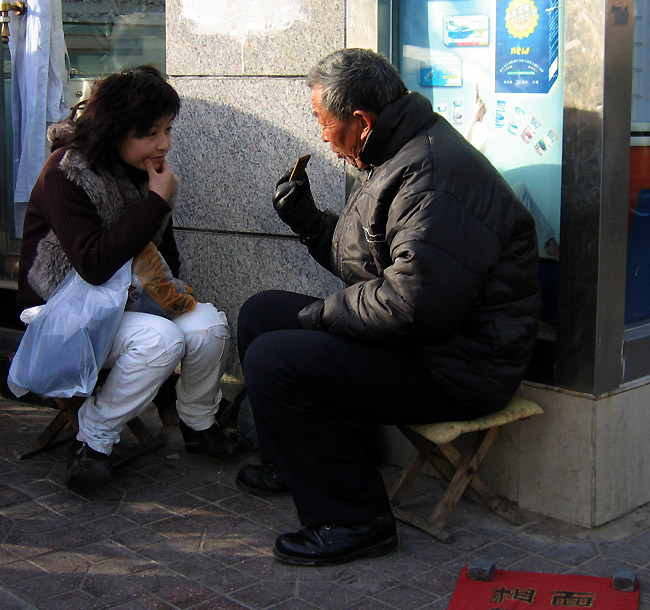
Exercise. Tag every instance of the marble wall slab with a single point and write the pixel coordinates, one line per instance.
(251, 37)
(556, 463)
(621, 427)
(239, 67)
(233, 140)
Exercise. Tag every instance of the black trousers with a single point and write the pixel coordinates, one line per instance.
(306, 386)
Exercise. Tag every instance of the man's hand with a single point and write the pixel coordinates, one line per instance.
(311, 317)
(294, 204)
(163, 182)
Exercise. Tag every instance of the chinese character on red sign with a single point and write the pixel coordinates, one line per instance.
(522, 595)
(573, 599)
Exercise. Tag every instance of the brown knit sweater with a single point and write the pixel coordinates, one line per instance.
(95, 247)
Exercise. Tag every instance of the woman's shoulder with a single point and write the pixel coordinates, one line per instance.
(51, 171)
(66, 159)
(61, 173)
(54, 160)
(61, 164)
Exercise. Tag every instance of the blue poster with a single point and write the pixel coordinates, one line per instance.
(493, 69)
(527, 44)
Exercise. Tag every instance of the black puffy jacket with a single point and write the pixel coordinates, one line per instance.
(438, 254)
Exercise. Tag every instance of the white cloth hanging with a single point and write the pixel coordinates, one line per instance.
(39, 86)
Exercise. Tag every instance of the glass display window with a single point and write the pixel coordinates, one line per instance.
(493, 69)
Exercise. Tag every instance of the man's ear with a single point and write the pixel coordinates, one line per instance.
(367, 119)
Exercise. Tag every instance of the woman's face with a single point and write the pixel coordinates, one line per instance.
(153, 145)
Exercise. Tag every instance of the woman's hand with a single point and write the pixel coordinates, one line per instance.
(161, 182)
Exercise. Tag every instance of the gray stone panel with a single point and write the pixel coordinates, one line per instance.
(232, 141)
(251, 37)
(227, 269)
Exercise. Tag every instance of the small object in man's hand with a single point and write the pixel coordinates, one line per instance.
(298, 171)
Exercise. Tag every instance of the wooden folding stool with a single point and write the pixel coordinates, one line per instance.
(67, 417)
(434, 443)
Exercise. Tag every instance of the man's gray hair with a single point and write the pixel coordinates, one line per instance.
(356, 79)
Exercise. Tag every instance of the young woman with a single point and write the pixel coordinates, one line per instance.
(105, 192)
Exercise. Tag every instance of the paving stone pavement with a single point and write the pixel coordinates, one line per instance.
(172, 531)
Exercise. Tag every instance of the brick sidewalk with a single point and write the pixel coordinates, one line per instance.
(173, 531)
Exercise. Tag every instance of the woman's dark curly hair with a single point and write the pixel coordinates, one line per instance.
(123, 104)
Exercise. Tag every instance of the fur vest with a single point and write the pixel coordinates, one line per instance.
(111, 194)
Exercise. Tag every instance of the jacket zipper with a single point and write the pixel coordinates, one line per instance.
(344, 216)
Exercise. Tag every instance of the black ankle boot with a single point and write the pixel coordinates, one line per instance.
(87, 467)
(333, 544)
(211, 442)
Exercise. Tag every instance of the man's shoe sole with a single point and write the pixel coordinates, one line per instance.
(376, 550)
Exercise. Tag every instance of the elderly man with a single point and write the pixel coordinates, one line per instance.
(437, 320)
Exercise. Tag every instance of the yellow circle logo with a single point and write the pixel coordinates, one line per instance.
(521, 18)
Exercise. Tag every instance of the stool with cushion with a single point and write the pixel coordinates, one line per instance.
(434, 443)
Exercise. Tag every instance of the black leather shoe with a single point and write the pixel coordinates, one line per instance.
(261, 480)
(211, 442)
(332, 544)
(87, 467)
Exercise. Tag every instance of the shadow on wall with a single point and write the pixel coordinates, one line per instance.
(231, 241)
(228, 162)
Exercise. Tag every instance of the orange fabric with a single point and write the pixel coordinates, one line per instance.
(148, 267)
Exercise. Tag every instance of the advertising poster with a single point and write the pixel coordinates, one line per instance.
(493, 69)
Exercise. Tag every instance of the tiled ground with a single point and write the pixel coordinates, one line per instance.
(173, 531)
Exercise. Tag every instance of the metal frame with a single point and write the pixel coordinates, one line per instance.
(597, 106)
(4, 179)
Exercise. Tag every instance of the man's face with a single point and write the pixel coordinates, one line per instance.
(344, 137)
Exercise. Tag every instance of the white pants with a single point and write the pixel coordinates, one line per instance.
(145, 352)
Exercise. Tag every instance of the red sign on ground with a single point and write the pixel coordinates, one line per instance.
(531, 591)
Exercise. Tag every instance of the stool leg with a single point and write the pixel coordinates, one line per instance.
(461, 479)
(480, 491)
(407, 477)
(53, 429)
(140, 431)
(145, 439)
(67, 415)
(71, 406)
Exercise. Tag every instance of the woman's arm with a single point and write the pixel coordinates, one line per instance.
(96, 251)
(169, 250)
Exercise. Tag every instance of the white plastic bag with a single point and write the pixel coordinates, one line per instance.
(65, 346)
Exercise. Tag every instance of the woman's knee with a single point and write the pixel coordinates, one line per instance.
(206, 331)
(151, 339)
(205, 317)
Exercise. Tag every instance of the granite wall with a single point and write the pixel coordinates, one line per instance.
(239, 67)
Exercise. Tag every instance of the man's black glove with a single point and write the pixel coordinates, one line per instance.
(311, 317)
(295, 205)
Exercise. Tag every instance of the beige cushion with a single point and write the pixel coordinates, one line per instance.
(445, 432)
